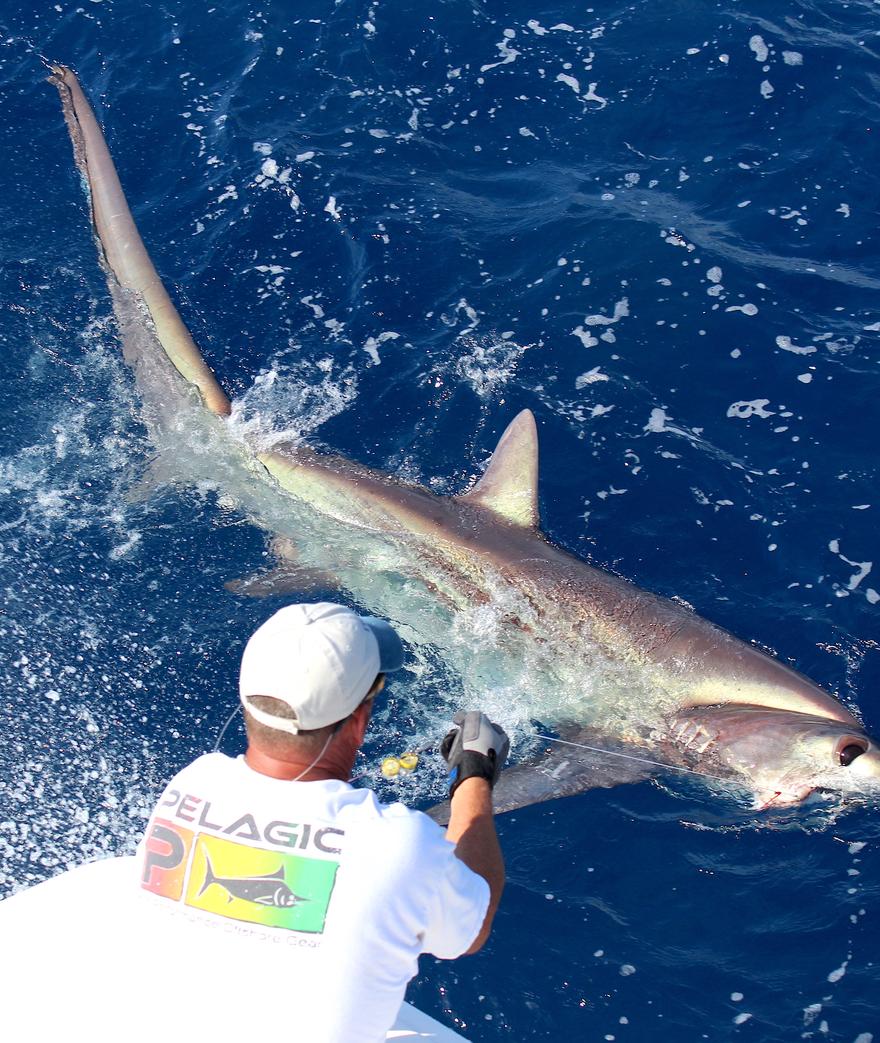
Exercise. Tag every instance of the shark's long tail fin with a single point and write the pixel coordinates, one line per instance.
(125, 255)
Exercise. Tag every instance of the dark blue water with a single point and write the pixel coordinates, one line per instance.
(655, 225)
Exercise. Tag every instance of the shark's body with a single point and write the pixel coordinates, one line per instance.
(611, 663)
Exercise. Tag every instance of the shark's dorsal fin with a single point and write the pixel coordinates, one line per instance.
(509, 486)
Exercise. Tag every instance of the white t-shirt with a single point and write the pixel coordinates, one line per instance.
(310, 901)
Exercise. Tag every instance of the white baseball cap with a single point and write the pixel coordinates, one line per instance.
(321, 660)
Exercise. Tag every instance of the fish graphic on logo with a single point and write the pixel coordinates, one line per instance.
(270, 889)
(258, 886)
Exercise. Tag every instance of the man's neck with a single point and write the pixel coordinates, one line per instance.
(276, 768)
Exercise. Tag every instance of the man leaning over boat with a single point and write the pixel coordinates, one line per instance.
(271, 868)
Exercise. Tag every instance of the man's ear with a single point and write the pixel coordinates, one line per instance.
(360, 719)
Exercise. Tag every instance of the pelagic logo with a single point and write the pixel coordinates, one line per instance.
(196, 810)
(265, 887)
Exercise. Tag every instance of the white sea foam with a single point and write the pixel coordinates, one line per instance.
(657, 421)
(759, 48)
(592, 376)
(621, 310)
(489, 363)
(372, 344)
(508, 53)
(787, 344)
(288, 401)
(744, 410)
(569, 81)
(838, 972)
(811, 1012)
(863, 568)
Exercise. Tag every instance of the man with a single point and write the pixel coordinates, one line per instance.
(320, 894)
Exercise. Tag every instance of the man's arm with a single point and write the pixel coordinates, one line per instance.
(472, 829)
(475, 750)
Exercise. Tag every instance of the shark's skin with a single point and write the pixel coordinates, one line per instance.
(711, 702)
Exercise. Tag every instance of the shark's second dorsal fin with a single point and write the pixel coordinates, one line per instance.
(509, 486)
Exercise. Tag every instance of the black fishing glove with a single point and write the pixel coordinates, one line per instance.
(474, 748)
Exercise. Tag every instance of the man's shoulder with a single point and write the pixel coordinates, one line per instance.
(207, 766)
(398, 816)
(405, 832)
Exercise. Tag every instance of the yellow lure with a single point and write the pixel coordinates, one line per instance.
(402, 765)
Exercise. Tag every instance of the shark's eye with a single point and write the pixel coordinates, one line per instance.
(849, 753)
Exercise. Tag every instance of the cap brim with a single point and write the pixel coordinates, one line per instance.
(391, 652)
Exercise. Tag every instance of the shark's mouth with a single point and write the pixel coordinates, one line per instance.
(785, 798)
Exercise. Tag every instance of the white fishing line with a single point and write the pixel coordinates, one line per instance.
(229, 720)
(631, 757)
(537, 735)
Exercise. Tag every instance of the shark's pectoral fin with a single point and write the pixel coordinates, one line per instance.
(509, 486)
(157, 474)
(564, 771)
(284, 580)
(560, 771)
(288, 577)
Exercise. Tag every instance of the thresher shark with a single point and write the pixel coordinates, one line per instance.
(610, 667)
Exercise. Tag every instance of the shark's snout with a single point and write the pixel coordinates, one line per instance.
(825, 758)
(783, 756)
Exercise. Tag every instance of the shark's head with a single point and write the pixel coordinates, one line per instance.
(780, 755)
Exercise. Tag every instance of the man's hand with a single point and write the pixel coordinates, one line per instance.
(474, 748)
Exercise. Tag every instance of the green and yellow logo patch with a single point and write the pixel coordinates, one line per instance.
(269, 888)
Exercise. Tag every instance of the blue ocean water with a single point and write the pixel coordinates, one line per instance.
(390, 226)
